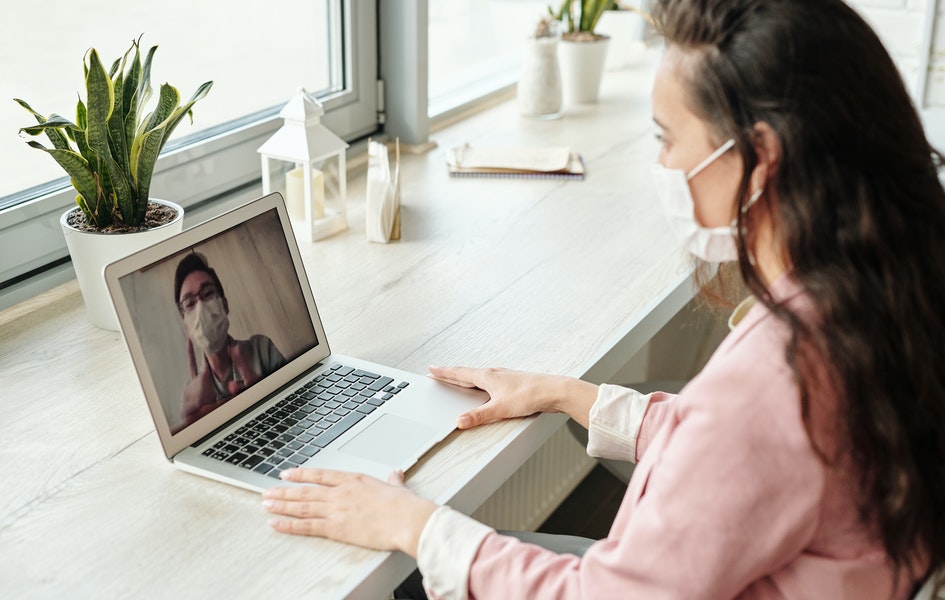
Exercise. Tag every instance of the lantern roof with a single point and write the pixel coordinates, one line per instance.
(302, 138)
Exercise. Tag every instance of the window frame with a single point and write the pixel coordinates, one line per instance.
(206, 177)
(410, 112)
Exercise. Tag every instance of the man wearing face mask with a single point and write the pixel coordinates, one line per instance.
(220, 366)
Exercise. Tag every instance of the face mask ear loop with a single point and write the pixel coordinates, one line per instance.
(709, 159)
(752, 199)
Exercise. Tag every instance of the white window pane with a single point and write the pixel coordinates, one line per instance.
(256, 54)
(476, 43)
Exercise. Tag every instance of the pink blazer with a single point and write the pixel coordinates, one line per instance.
(728, 500)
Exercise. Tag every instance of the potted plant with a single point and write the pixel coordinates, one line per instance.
(109, 154)
(582, 50)
(539, 86)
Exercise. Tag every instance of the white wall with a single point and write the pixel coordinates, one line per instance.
(900, 24)
(914, 33)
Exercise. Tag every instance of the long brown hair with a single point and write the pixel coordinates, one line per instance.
(860, 214)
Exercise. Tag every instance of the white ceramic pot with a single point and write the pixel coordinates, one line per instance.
(539, 87)
(91, 251)
(582, 65)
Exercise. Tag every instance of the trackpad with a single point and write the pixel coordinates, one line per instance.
(390, 440)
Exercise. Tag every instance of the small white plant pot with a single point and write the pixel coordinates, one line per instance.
(91, 251)
(539, 87)
(582, 67)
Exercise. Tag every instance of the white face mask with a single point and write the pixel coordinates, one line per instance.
(207, 325)
(713, 244)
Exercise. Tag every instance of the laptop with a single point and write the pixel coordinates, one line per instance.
(223, 331)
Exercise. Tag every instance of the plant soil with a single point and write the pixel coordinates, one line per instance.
(583, 36)
(157, 215)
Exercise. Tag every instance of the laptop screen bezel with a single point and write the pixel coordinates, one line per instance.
(114, 272)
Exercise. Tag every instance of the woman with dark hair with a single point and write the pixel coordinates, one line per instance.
(807, 459)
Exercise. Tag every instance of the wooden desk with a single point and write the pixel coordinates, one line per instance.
(565, 277)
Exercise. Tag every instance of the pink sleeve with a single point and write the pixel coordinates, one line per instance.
(660, 406)
(734, 495)
(616, 421)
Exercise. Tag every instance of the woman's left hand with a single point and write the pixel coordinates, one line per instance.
(351, 508)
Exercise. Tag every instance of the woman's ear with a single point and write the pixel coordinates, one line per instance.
(768, 150)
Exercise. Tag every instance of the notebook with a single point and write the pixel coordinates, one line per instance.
(224, 334)
(558, 162)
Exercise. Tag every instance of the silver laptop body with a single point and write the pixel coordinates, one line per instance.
(286, 400)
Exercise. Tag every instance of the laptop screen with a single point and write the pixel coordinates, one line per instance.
(217, 317)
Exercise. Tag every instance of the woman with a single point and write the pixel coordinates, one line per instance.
(806, 460)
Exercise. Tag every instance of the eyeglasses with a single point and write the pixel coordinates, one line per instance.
(206, 293)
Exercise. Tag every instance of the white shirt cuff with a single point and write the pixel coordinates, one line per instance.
(448, 544)
(615, 421)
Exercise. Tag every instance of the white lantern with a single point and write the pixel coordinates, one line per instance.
(315, 183)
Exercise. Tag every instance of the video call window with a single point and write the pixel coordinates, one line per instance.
(215, 319)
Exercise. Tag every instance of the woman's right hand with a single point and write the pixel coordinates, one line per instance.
(519, 394)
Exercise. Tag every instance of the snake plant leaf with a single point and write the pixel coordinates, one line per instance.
(129, 92)
(81, 120)
(144, 157)
(83, 205)
(81, 115)
(582, 16)
(564, 9)
(168, 100)
(591, 12)
(114, 68)
(82, 179)
(567, 11)
(586, 8)
(57, 137)
(147, 145)
(53, 122)
(185, 110)
(100, 104)
(60, 137)
(201, 92)
(153, 141)
(100, 107)
(144, 84)
(122, 96)
(117, 140)
(111, 199)
(26, 105)
(120, 190)
(39, 117)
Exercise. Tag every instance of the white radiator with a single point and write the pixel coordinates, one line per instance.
(533, 492)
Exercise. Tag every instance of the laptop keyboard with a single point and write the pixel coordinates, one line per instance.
(297, 427)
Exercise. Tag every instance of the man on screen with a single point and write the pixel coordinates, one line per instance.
(220, 366)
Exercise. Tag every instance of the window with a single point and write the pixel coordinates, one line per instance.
(256, 56)
(476, 47)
